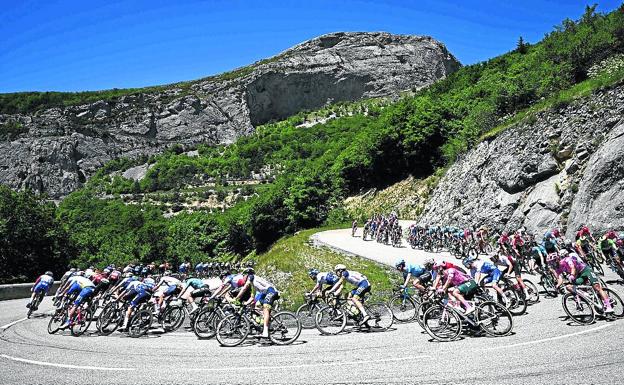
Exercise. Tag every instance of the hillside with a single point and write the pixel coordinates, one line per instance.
(501, 107)
(53, 142)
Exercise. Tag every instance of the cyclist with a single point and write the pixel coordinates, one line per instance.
(231, 284)
(265, 295)
(538, 257)
(327, 278)
(166, 287)
(484, 272)
(68, 274)
(142, 291)
(577, 272)
(200, 289)
(609, 247)
(42, 284)
(84, 288)
(462, 284)
(420, 274)
(362, 286)
(199, 269)
(508, 265)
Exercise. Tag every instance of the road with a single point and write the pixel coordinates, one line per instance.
(544, 348)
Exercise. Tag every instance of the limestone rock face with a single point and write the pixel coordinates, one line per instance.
(61, 147)
(564, 169)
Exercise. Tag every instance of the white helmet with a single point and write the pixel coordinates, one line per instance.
(340, 266)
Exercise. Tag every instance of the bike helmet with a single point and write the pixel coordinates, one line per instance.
(72, 270)
(80, 273)
(49, 273)
(249, 271)
(552, 259)
(438, 266)
(611, 234)
(567, 243)
(468, 262)
(563, 253)
(128, 274)
(313, 273)
(400, 263)
(429, 262)
(340, 267)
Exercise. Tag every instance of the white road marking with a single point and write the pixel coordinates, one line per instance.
(314, 365)
(552, 338)
(42, 363)
(12, 323)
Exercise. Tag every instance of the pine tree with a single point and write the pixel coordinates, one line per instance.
(522, 46)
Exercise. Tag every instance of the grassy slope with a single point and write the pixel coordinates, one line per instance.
(288, 261)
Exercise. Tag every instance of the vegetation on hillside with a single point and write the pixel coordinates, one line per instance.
(320, 165)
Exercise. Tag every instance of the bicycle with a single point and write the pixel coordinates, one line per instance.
(233, 330)
(403, 304)
(306, 313)
(584, 303)
(81, 319)
(444, 322)
(34, 304)
(206, 322)
(332, 318)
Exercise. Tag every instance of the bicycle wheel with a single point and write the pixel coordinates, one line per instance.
(232, 330)
(616, 303)
(330, 320)
(403, 308)
(517, 305)
(442, 323)
(579, 309)
(598, 268)
(173, 318)
(82, 321)
(109, 320)
(284, 328)
(56, 321)
(205, 325)
(140, 323)
(420, 312)
(494, 319)
(533, 292)
(381, 315)
(307, 315)
(548, 285)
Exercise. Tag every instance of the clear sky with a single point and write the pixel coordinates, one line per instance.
(72, 45)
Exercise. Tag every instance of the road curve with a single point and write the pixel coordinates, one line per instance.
(534, 354)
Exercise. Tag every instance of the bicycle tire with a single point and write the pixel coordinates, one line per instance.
(572, 302)
(403, 308)
(79, 328)
(109, 320)
(549, 287)
(307, 316)
(517, 305)
(174, 316)
(57, 319)
(205, 324)
(140, 323)
(381, 315)
(233, 325)
(533, 292)
(330, 320)
(284, 328)
(442, 323)
(489, 315)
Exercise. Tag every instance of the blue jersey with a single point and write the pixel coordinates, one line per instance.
(195, 283)
(328, 278)
(414, 270)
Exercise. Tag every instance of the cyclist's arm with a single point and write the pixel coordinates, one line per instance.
(243, 290)
(409, 275)
(316, 288)
(337, 286)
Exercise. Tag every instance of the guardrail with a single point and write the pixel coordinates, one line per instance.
(20, 290)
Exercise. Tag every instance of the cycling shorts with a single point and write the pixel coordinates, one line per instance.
(42, 286)
(268, 297)
(424, 278)
(131, 294)
(361, 289)
(494, 276)
(201, 292)
(142, 296)
(74, 289)
(588, 275)
(467, 288)
(84, 295)
(171, 290)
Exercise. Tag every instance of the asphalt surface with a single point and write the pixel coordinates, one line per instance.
(543, 348)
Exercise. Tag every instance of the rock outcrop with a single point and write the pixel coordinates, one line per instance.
(565, 167)
(59, 148)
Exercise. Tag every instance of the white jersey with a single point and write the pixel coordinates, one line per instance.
(46, 279)
(260, 284)
(133, 285)
(82, 281)
(353, 277)
(212, 283)
(169, 281)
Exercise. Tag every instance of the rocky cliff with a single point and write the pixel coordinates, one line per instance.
(562, 167)
(57, 149)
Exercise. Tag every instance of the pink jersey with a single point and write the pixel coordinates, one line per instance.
(569, 262)
(455, 277)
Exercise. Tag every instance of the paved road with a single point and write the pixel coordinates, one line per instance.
(544, 348)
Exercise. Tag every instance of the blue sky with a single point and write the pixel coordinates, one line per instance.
(72, 45)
